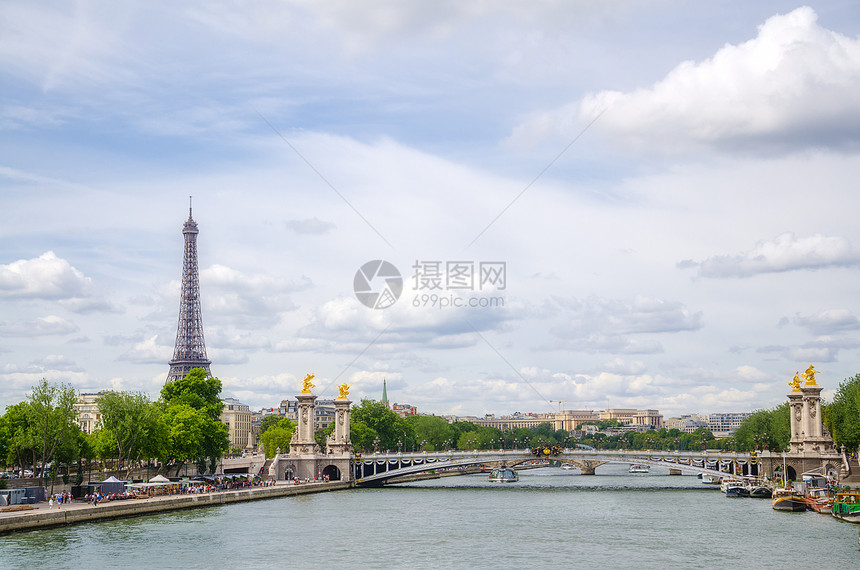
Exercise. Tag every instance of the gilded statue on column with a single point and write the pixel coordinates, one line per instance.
(344, 391)
(810, 376)
(795, 384)
(307, 384)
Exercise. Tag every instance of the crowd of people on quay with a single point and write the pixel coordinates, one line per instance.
(59, 499)
(208, 484)
(96, 495)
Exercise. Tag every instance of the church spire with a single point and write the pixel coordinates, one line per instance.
(385, 393)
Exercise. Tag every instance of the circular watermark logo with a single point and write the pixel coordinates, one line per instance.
(377, 284)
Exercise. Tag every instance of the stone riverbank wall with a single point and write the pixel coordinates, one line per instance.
(43, 517)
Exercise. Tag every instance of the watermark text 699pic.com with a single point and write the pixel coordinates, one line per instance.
(433, 300)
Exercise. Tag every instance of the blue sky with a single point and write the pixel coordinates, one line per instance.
(670, 185)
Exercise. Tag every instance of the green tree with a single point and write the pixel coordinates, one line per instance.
(195, 390)
(363, 438)
(207, 434)
(269, 421)
(842, 416)
(468, 440)
(431, 432)
(392, 430)
(130, 420)
(51, 414)
(278, 436)
(67, 453)
(20, 444)
(765, 429)
(5, 438)
(185, 427)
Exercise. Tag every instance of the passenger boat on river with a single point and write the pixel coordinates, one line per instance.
(708, 479)
(846, 506)
(736, 489)
(760, 491)
(727, 482)
(504, 474)
(787, 499)
(819, 499)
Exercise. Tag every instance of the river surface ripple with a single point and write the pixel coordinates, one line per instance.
(550, 518)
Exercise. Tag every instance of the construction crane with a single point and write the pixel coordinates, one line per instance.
(559, 402)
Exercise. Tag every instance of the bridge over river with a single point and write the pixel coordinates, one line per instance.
(376, 469)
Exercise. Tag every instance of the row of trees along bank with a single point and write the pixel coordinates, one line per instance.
(182, 425)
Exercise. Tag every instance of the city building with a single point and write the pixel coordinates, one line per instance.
(404, 410)
(237, 416)
(687, 423)
(87, 408)
(641, 419)
(569, 420)
(324, 412)
(726, 424)
(505, 423)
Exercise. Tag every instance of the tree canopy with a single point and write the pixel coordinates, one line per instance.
(131, 426)
(765, 429)
(277, 435)
(373, 424)
(194, 431)
(51, 415)
(842, 417)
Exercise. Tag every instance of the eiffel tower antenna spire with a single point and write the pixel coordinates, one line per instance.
(190, 351)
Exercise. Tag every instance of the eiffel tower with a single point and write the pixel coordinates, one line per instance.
(190, 351)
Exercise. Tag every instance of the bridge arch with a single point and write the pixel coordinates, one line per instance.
(375, 469)
(332, 472)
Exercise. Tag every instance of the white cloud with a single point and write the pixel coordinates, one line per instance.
(785, 253)
(311, 226)
(793, 86)
(44, 277)
(41, 326)
(749, 373)
(821, 349)
(50, 43)
(149, 351)
(597, 324)
(252, 301)
(828, 322)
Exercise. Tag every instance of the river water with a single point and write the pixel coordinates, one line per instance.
(550, 518)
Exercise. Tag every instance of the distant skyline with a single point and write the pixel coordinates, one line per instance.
(637, 204)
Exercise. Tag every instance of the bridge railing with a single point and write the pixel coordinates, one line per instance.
(380, 466)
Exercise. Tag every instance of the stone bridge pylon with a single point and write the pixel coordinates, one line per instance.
(305, 460)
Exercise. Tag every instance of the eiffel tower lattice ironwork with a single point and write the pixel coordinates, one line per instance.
(190, 351)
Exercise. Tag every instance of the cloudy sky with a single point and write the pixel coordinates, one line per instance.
(646, 204)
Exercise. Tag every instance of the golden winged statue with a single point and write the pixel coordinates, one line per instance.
(810, 376)
(307, 384)
(344, 391)
(795, 384)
